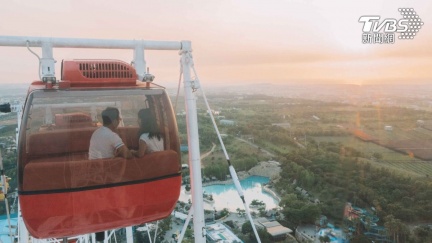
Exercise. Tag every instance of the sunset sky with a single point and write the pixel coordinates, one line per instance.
(242, 41)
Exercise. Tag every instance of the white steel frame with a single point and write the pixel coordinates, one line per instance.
(47, 73)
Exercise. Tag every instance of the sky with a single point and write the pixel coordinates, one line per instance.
(233, 41)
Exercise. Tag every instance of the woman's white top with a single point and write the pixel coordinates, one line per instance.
(153, 144)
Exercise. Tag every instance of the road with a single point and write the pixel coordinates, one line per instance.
(256, 146)
(209, 152)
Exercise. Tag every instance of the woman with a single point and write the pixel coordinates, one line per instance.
(151, 139)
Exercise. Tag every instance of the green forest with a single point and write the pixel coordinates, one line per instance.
(335, 172)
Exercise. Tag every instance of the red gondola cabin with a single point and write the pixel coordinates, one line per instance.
(61, 192)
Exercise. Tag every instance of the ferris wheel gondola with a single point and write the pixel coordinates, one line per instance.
(62, 192)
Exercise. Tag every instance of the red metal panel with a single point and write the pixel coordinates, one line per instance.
(74, 213)
(98, 73)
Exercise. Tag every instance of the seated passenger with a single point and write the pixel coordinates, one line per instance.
(104, 142)
(151, 139)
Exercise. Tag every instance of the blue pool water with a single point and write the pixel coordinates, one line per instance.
(247, 183)
(226, 196)
(336, 235)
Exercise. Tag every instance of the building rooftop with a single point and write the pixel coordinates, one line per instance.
(220, 233)
(179, 215)
(279, 230)
(274, 228)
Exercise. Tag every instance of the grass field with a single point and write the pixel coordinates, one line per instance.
(393, 168)
(277, 149)
(367, 148)
(398, 162)
(421, 168)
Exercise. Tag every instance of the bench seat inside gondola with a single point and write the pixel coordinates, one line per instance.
(58, 160)
(57, 175)
(70, 144)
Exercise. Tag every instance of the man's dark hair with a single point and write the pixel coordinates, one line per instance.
(109, 115)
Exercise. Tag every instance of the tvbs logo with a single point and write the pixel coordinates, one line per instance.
(372, 24)
(377, 31)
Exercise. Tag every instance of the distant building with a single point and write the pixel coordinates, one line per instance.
(180, 216)
(302, 191)
(216, 113)
(283, 125)
(225, 122)
(274, 228)
(388, 128)
(220, 233)
(305, 233)
(184, 148)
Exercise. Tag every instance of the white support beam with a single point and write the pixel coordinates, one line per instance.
(193, 144)
(47, 63)
(88, 43)
(129, 235)
(139, 62)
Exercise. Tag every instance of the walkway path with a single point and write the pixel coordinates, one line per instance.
(209, 152)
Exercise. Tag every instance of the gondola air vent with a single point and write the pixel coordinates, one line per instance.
(98, 72)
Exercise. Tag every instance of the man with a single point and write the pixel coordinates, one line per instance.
(105, 143)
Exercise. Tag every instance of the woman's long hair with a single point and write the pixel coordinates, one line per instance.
(148, 124)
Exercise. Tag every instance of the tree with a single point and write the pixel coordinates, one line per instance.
(230, 223)
(422, 234)
(246, 228)
(302, 212)
(360, 239)
(395, 228)
(165, 225)
(310, 212)
(262, 211)
(189, 233)
(264, 236)
(240, 212)
(377, 156)
(324, 239)
(224, 212)
(139, 237)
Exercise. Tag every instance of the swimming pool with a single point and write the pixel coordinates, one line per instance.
(226, 196)
(335, 234)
